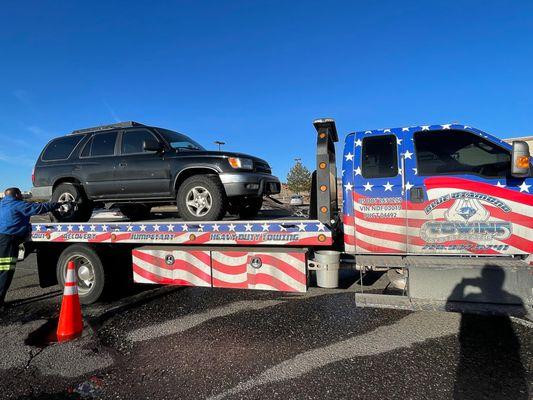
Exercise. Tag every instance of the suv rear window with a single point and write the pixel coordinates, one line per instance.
(61, 148)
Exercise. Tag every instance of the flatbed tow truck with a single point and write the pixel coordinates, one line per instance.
(442, 214)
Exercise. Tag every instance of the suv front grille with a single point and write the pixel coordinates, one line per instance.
(262, 168)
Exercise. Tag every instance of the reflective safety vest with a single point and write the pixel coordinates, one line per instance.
(7, 263)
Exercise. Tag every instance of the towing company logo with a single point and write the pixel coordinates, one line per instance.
(466, 219)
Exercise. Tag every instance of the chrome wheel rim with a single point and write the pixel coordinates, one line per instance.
(65, 198)
(84, 272)
(198, 201)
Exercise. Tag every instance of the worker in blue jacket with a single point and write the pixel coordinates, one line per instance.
(14, 229)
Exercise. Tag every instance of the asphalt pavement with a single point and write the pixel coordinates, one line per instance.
(196, 343)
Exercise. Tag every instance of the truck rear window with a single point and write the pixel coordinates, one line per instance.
(380, 157)
(60, 148)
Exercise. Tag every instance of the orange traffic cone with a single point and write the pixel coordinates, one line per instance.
(70, 324)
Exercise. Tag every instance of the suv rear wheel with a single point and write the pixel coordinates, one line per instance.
(201, 198)
(70, 192)
(135, 211)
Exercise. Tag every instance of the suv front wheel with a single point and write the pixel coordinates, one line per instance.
(201, 198)
(70, 192)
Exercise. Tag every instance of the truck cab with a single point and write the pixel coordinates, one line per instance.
(445, 189)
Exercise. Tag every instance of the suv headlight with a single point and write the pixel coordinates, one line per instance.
(241, 163)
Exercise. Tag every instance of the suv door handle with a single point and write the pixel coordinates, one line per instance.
(416, 194)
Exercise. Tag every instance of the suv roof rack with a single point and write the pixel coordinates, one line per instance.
(127, 124)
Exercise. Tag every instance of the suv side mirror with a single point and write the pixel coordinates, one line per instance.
(520, 167)
(152, 145)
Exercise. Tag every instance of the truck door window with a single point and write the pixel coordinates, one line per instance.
(132, 141)
(380, 157)
(459, 152)
(100, 145)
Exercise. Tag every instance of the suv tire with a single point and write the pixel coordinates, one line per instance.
(201, 198)
(135, 212)
(249, 208)
(71, 192)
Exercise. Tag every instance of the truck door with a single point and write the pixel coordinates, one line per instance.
(379, 209)
(460, 196)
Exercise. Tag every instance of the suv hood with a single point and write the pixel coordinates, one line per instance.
(220, 154)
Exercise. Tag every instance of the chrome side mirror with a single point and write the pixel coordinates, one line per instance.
(520, 167)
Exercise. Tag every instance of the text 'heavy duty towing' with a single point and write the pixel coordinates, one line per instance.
(432, 217)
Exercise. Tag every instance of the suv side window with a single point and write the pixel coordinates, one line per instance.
(132, 141)
(61, 148)
(380, 157)
(101, 144)
(459, 152)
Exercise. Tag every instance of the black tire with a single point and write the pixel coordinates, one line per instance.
(213, 186)
(84, 209)
(81, 254)
(249, 208)
(135, 212)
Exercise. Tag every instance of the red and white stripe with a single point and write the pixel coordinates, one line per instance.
(278, 271)
(402, 233)
(190, 268)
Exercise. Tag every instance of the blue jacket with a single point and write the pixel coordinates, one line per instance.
(15, 215)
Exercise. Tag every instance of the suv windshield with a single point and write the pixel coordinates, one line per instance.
(179, 141)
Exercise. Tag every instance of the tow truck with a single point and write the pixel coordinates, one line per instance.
(436, 217)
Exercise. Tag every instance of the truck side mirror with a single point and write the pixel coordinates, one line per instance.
(152, 145)
(520, 167)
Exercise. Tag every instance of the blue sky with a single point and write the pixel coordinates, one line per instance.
(256, 73)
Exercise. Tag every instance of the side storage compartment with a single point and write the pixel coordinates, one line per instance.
(265, 270)
(249, 268)
(167, 266)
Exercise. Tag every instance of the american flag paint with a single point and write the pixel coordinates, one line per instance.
(283, 271)
(459, 214)
(271, 232)
(172, 267)
(272, 270)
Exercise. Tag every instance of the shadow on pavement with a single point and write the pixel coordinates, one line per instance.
(489, 356)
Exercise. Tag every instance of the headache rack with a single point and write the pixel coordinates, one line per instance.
(118, 125)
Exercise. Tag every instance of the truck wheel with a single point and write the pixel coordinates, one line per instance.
(89, 269)
(135, 212)
(249, 208)
(66, 192)
(201, 198)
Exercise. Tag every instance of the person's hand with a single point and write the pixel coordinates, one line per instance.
(66, 206)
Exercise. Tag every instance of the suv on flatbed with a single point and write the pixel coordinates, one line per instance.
(137, 167)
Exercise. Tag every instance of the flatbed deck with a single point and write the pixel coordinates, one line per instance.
(271, 228)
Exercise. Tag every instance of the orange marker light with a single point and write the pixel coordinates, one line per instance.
(322, 135)
(322, 165)
(324, 209)
(321, 238)
(192, 237)
(323, 188)
(522, 162)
